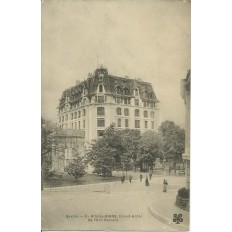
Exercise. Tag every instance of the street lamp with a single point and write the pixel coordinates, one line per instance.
(164, 166)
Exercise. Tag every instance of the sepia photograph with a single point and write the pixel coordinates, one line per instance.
(115, 120)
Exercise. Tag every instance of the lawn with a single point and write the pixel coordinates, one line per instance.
(87, 179)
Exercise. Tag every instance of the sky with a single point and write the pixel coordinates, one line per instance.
(148, 39)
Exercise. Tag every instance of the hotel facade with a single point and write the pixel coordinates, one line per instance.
(102, 99)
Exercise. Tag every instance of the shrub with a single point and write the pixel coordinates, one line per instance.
(184, 193)
(54, 175)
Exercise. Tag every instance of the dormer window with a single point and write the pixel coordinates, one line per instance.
(146, 94)
(136, 92)
(85, 91)
(100, 88)
(118, 90)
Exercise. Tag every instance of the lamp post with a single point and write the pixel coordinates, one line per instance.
(164, 166)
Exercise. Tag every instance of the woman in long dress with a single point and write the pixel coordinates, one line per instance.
(165, 183)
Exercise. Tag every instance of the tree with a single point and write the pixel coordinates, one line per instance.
(76, 167)
(47, 138)
(173, 142)
(102, 157)
(130, 148)
(50, 145)
(150, 147)
(116, 150)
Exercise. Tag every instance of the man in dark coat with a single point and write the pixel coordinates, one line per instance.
(146, 182)
(130, 178)
(123, 178)
(141, 177)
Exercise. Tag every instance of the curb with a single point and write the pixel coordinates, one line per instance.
(166, 220)
(76, 186)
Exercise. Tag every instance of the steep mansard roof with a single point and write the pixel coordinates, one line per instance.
(110, 84)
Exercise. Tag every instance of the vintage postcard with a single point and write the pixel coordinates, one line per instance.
(115, 119)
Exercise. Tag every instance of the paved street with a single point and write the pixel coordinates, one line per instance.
(126, 207)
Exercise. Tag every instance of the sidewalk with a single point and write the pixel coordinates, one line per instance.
(164, 209)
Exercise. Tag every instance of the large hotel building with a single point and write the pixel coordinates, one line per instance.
(102, 99)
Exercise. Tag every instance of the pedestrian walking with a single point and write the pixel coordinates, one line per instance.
(170, 170)
(130, 178)
(150, 175)
(123, 178)
(165, 183)
(146, 182)
(141, 177)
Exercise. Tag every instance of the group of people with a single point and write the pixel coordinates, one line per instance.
(165, 182)
(123, 178)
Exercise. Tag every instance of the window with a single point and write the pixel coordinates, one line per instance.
(136, 113)
(126, 91)
(100, 88)
(83, 123)
(144, 104)
(152, 104)
(145, 125)
(137, 124)
(118, 100)
(152, 125)
(79, 125)
(71, 116)
(136, 102)
(100, 122)
(118, 111)
(85, 91)
(100, 111)
(62, 118)
(79, 114)
(83, 113)
(100, 133)
(145, 114)
(119, 122)
(118, 90)
(66, 117)
(72, 125)
(100, 99)
(75, 115)
(126, 122)
(152, 114)
(75, 125)
(126, 112)
(136, 92)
